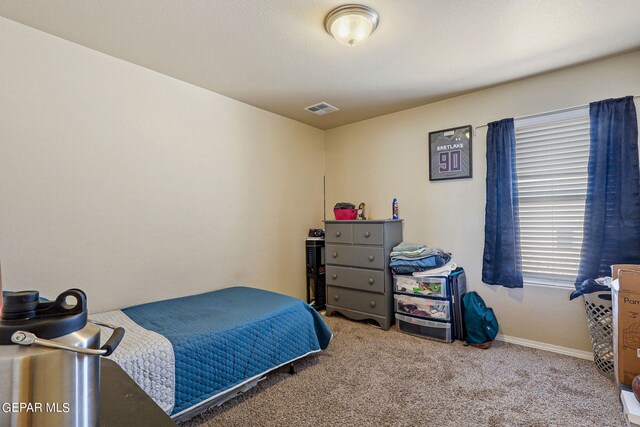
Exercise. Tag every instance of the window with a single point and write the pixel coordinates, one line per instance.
(552, 153)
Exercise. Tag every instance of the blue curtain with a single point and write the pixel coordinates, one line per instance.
(502, 263)
(612, 211)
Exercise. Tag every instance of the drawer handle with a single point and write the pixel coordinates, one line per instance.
(372, 303)
(371, 281)
(336, 297)
(367, 234)
(371, 257)
(338, 234)
(334, 276)
(335, 255)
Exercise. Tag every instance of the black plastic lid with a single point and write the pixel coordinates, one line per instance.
(20, 305)
(23, 311)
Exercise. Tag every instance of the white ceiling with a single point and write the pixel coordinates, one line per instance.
(276, 54)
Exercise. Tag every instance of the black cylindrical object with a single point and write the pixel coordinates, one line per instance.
(20, 305)
(316, 273)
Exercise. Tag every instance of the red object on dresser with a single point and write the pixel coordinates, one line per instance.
(345, 214)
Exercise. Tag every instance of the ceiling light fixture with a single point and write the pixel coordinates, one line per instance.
(351, 24)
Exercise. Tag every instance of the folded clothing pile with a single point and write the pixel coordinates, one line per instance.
(592, 285)
(436, 311)
(409, 258)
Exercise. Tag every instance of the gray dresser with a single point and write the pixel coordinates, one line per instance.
(359, 283)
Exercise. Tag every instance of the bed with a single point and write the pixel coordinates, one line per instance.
(195, 352)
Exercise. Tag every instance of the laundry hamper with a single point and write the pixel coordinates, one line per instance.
(600, 321)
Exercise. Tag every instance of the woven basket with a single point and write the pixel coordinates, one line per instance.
(600, 320)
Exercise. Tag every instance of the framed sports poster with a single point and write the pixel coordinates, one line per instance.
(450, 154)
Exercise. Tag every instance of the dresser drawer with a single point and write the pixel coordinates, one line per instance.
(357, 300)
(355, 256)
(356, 278)
(368, 234)
(338, 233)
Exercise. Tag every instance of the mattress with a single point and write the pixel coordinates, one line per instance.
(219, 341)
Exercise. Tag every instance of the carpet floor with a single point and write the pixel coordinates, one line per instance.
(369, 377)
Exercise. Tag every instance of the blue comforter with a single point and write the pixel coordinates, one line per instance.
(223, 338)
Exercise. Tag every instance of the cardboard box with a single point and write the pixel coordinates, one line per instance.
(615, 269)
(626, 322)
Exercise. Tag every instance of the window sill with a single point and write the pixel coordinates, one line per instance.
(552, 285)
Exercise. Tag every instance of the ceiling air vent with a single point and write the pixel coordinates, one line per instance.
(321, 108)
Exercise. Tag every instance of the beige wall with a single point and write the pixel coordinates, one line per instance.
(136, 187)
(386, 157)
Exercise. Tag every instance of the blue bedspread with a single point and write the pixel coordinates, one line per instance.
(223, 338)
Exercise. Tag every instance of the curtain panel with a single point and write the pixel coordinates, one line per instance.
(502, 262)
(612, 210)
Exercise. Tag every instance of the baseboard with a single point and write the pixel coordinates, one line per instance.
(580, 354)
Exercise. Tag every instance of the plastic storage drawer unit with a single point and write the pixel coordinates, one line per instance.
(424, 328)
(422, 286)
(423, 307)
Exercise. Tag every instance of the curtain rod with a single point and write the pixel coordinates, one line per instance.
(546, 113)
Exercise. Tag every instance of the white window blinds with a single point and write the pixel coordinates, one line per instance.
(552, 153)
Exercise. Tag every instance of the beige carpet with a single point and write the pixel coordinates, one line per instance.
(369, 377)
